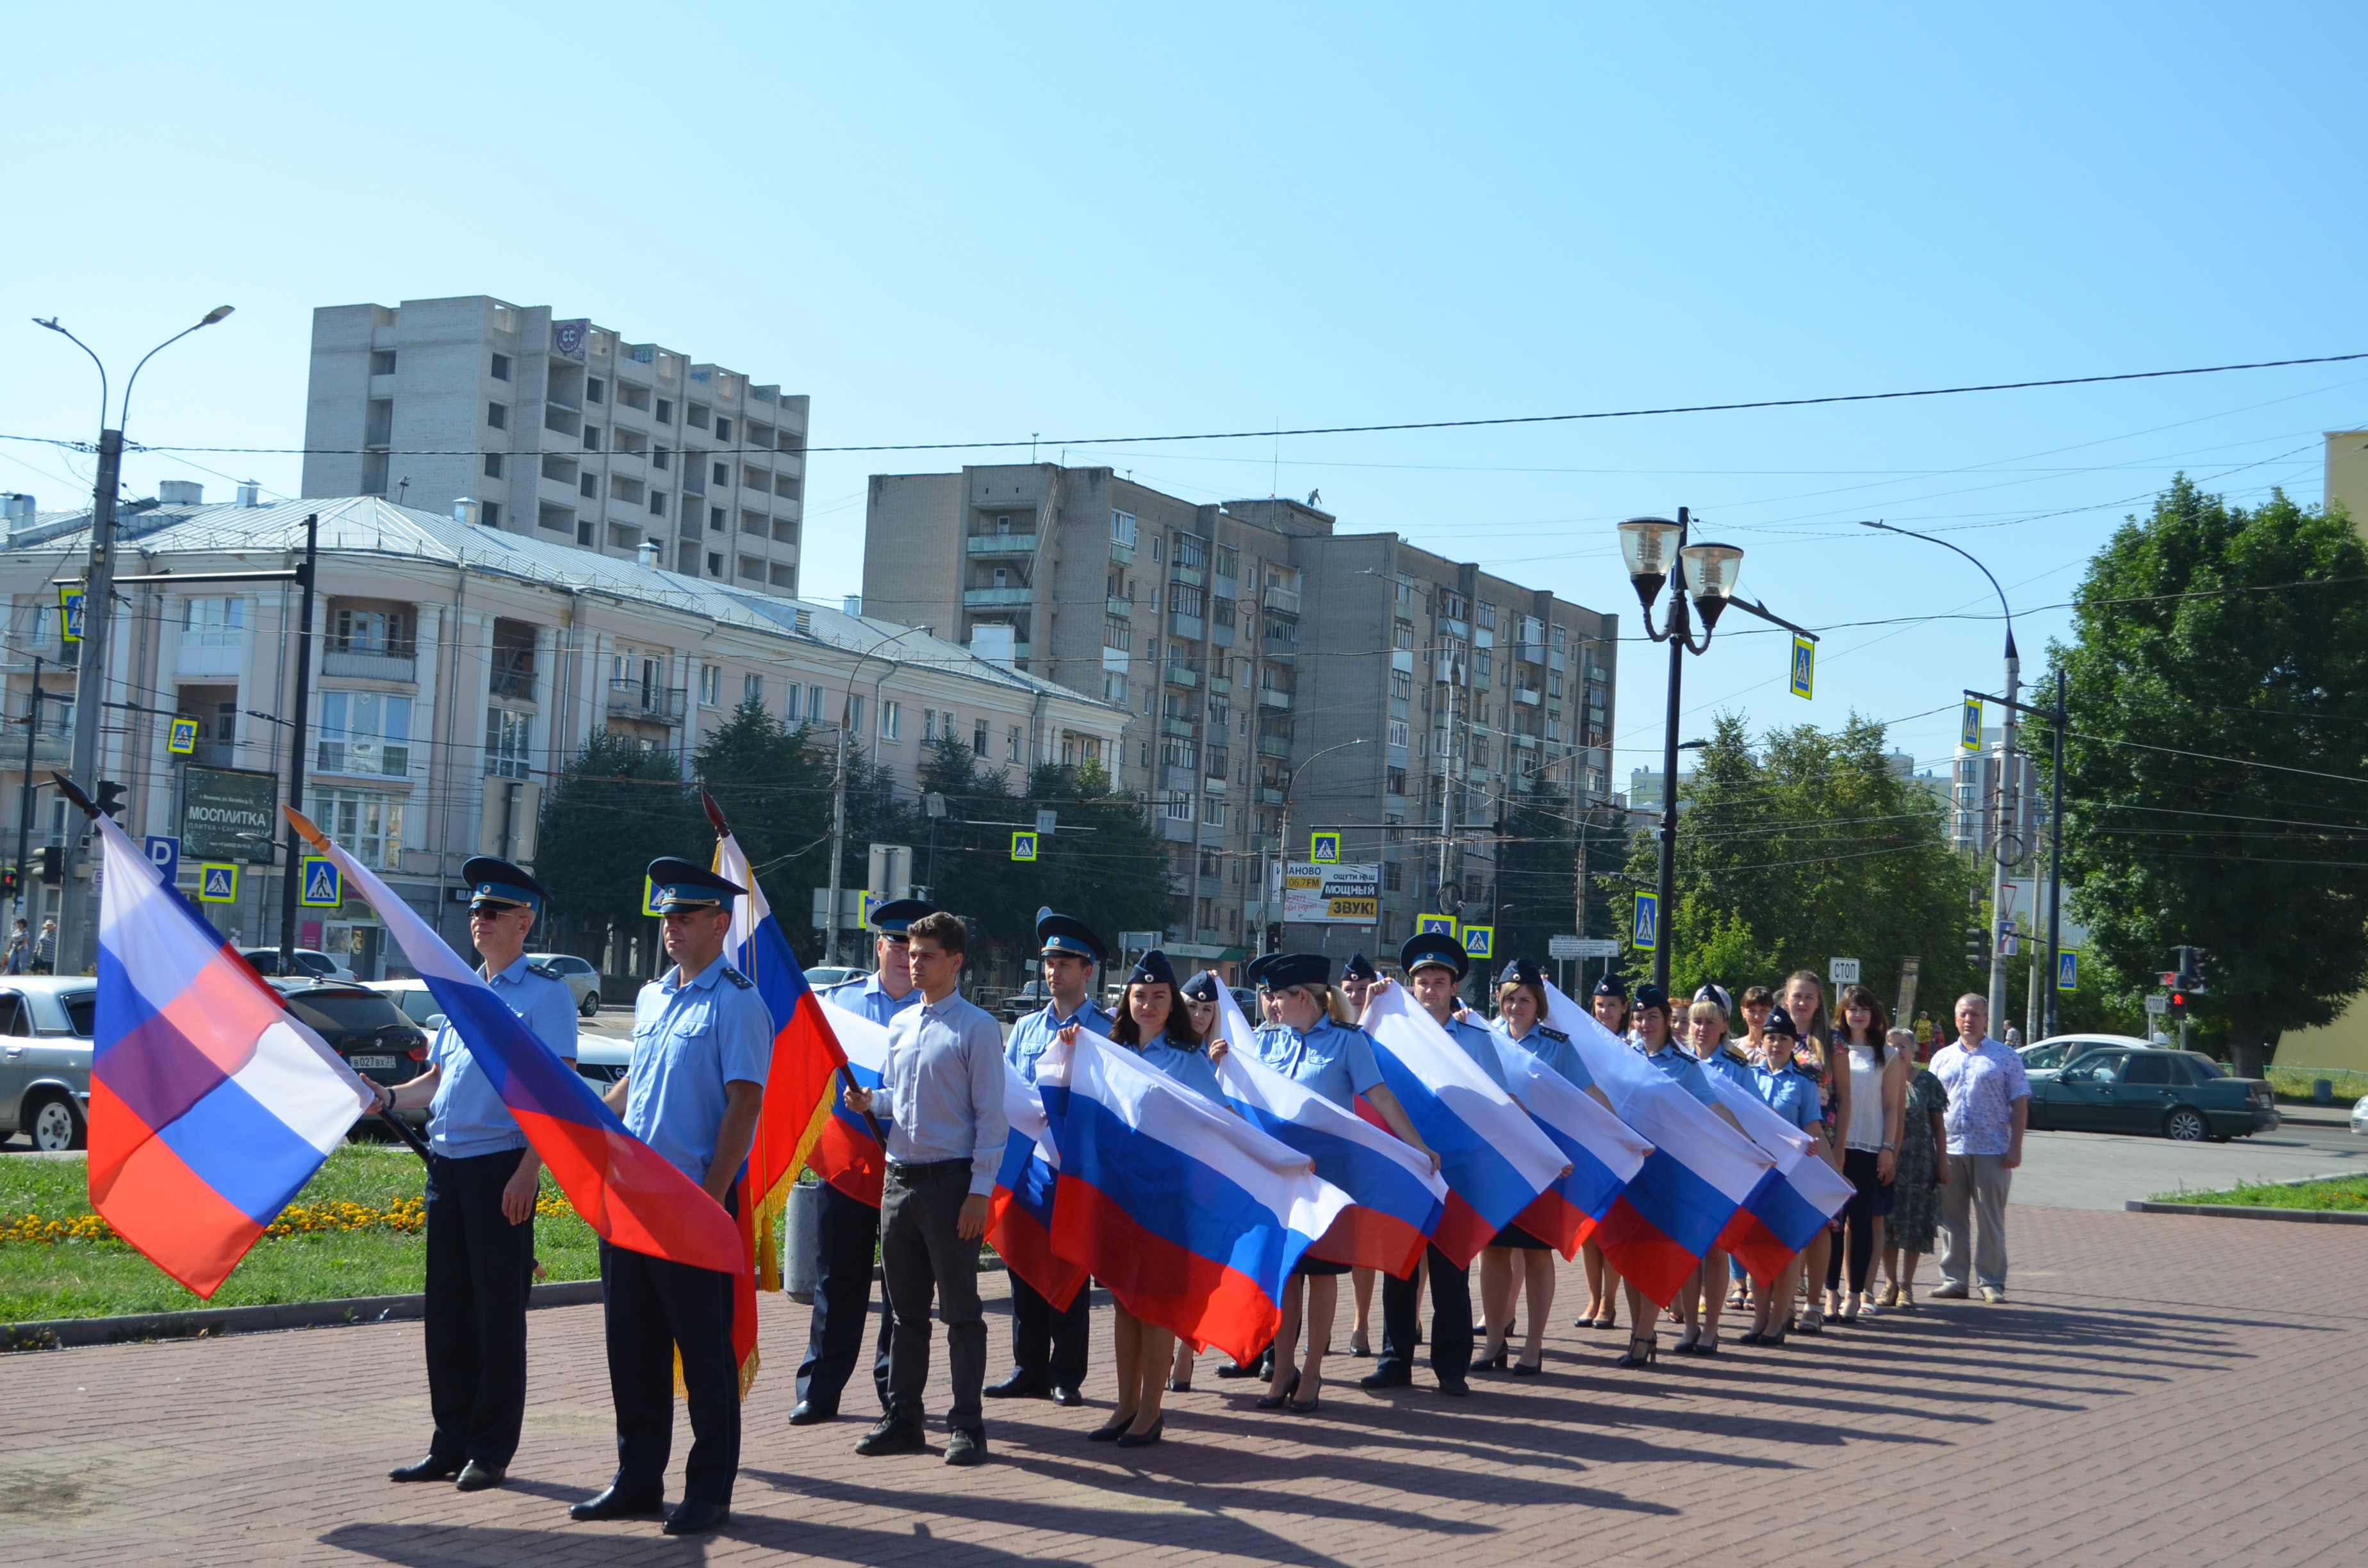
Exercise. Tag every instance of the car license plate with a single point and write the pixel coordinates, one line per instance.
(384, 1062)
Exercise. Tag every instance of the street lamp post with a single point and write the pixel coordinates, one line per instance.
(1282, 835)
(98, 592)
(2001, 862)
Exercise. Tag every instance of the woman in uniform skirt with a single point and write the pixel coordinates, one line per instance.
(1609, 1006)
(1520, 1007)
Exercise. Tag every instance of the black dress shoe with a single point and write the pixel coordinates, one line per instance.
(1455, 1388)
(1385, 1380)
(965, 1447)
(893, 1436)
(1144, 1439)
(808, 1412)
(1015, 1386)
(618, 1504)
(1069, 1397)
(476, 1477)
(1238, 1371)
(693, 1516)
(430, 1469)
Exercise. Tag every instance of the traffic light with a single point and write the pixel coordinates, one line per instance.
(1976, 943)
(1274, 936)
(109, 799)
(7, 882)
(53, 864)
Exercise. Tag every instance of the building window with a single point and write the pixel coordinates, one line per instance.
(594, 389)
(1227, 562)
(491, 513)
(722, 473)
(854, 714)
(753, 568)
(1182, 598)
(501, 367)
(1123, 528)
(978, 739)
(591, 438)
(722, 428)
(1486, 616)
(1398, 734)
(1011, 746)
(1114, 688)
(1402, 685)
(382, 362)
(588, 486)
(661, 457)
(1392, 876)
(1178, 807)
(369, 824)
(509, 737)
(1214, 812)
(364, 731)
(493, 465)
(695, 416)
(666, 411)
(892, 719)
(1116, 633)
(1402, 634)
(814, 714)
(370, 631)
(658, 503)
(711, 684)
(929, 724)
(752, 690)
(1395, 781)
(498, 415)
(1192, 550)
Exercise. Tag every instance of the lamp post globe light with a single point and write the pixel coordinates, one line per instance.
(99, 593)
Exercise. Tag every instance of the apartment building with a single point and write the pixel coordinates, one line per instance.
(1272, 669)
(1975, 802)
(455, 670)
(561, 431)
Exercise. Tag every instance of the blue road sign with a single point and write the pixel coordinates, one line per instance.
(218, 882)
(1324, 847)
(1023, 846)
(1969, 733)
(325, 885)
(2067, 971)
(1645, 934)
(1445, 923)
(164, 854)
(1804, 667)
(1479, 941)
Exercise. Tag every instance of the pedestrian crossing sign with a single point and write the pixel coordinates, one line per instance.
(183, 740)
(650, 899)
(1645, 930)
(70, 601)
(2067, 971)
(1479, 941)
(1969, 738)
(218, 882)
(325, 885)
(1324, 847)
(1442, 923)
(1023, 846)
(1805, 667)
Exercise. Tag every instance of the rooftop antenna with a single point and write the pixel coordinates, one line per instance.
(402, 485)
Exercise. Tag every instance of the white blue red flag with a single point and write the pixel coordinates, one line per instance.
(843, 1153)
(1604, 1152)
(1192, 1216)
(624, 1189)
(210, 1104)
(1398, 1198)
(1496, 1161)
(1784, 1215)
(1671, 1213)
(1020, 1215)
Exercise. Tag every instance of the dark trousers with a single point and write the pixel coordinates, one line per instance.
(655, 1310)
(1450, 1321)
(479, 1267)
(849, 1234)
(921, 1256)
(1048, 1348)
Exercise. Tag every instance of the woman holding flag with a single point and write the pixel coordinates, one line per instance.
(1520, 1004)
(1792, 1094)
(1609, 1006)
(1358, 978)
(1704, 1296)
(1654, 1038)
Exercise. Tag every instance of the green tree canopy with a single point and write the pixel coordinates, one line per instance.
(2219, 722)
(619, 806)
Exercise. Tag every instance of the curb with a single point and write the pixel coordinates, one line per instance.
(2240, 1211)
(59, 1333)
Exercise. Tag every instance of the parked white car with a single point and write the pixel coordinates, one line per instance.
(2360, 1117)
(45, 1048)
(578, 976)
(598, 1057)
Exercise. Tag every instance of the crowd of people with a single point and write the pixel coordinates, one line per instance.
(1927, 1153)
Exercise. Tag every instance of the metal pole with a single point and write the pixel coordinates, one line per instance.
(90, 678)
(25, 807)
(2055, 860)
(1667, 884)
(837, 835)
(2001, 867)
(293, 874)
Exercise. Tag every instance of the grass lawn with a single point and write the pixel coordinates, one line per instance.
(105, 1278)
(2343, 1192)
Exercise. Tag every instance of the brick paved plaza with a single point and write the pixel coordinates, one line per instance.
(2160, 1388)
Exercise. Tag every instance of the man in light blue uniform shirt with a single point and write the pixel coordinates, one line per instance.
(1048, 1348)
(847, 1233)
(941, 1097)
(703, 1043)
(482, 1185)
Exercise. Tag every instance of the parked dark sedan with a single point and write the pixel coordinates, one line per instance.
(362, 1025)
(2179, 1094)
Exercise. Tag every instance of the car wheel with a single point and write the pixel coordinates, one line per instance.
(590, 1006)
(2186, 1125)
(56, 1126)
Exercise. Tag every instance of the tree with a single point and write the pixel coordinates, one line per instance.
(1113, 877)
(1537, 879)
(619, 806)
(774, 788)
(2219, 719)
(1809, 849)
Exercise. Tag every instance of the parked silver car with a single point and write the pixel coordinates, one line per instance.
(45, 1046)
(598, 1057)
(579, 977)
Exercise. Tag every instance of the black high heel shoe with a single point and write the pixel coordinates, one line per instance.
(1277, 1401)
(1144, 1439)
(1112, 1430)
(1651, 1351)
(1496, 1363)
(1526, 1368)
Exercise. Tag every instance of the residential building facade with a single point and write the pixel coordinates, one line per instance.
(1281, 679)
(561, 431)
(456, 670)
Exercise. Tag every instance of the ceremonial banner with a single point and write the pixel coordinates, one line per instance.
(1784, 1214)
(210, 1104)
(1604, 1153)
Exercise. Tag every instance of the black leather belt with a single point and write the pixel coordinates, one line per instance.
(911, 1174)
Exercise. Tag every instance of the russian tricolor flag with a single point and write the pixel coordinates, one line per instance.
(1784, 1214)
(1700, 1171)
(843, 1153)
(1604, 1153)
(1019, 1218)
(624, 1189)
(210, 1104)
(1398, 1198)
(1192, 1216)
(1496, 1161)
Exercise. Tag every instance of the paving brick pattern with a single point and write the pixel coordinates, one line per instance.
(2159, 1390)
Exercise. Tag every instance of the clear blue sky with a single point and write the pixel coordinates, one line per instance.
(953, 223)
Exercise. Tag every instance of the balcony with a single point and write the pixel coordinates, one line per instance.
(1283, 599)
(1122, 554)
(370, 666)
(1171, 725)
(1450, 627)
(1530, 652)
(1180, 780)
(1000, 544)
(1188, 575)
(1188, 627)
(1183, 676)
(1527, 695)
(1524, 743)
(1220, 686)
(1269, 746)
(1122, 608)
(633, 699)
(996, 599)
(1176, 830)
(1270, 698)
(512, 675)
(1285, 650)
(1553, 658)
(1268, 795)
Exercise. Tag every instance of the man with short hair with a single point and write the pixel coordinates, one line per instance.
(703, 1043)
(942, 1097)
(483, 1181)
(1048, 1347)
(847, 1233)
(1989, 1102)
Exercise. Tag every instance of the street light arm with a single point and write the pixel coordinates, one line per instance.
(1770, 616)
(124, 414)
(2006, 609)
(52, 324)
(1304, 767)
